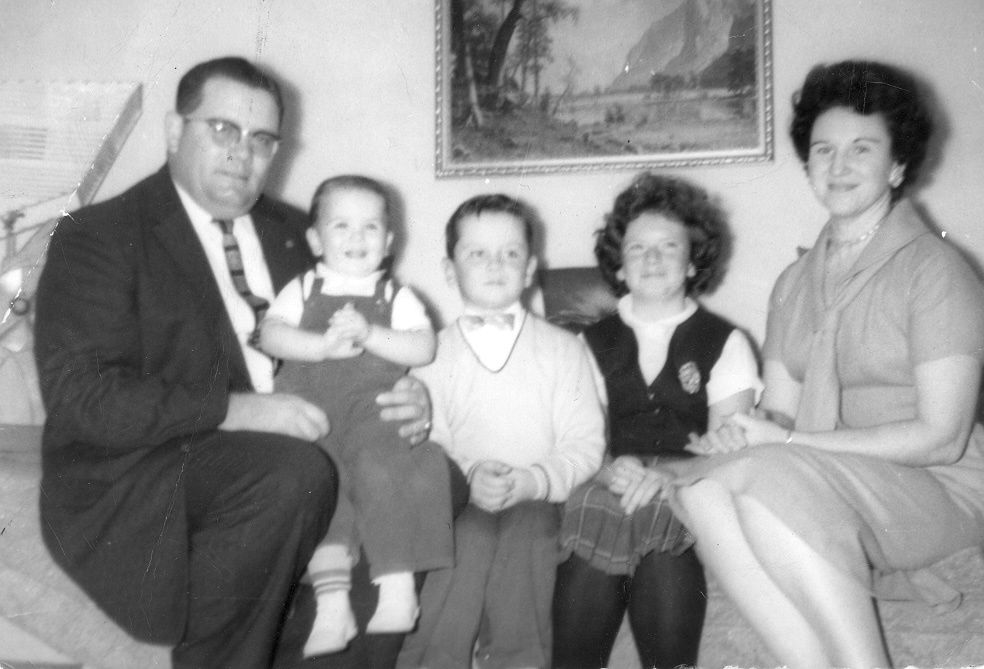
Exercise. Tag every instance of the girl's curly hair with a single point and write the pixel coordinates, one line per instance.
(690, 205)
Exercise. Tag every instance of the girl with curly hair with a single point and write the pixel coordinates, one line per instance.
(670, 369)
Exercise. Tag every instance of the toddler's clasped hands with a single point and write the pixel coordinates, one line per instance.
(347, 331)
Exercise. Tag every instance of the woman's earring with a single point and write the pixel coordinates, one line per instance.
(895, 178)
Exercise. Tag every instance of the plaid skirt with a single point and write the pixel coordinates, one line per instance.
(596, 529)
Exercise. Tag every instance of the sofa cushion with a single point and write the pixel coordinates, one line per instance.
(916, 634)
(35, 594)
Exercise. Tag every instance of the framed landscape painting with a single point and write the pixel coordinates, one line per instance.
(535, 86)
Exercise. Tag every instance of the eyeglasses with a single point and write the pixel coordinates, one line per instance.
(228, 134)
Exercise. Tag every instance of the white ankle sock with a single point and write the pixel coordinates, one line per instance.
(396, 610)
(334, 624)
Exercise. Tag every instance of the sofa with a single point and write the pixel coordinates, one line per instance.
(38, 597)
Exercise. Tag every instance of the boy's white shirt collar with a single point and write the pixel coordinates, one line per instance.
(493, 346)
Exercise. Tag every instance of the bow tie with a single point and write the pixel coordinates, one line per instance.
(499, 321)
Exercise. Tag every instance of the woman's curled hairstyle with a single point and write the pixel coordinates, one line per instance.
(868, 87)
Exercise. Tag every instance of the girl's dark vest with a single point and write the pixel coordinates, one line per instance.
(656, 419)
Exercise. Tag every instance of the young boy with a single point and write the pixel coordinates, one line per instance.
(345, 332)
(516, 407)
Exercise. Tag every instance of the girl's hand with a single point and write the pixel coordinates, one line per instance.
(644, 490)
(624, 472)
(759, 431)
(728, 438)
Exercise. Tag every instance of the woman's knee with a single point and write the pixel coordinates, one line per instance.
(698, 498)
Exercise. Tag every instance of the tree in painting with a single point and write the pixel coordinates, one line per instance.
(487, 73)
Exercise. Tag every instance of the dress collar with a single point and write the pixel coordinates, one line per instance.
(900, 226)
(627, 315)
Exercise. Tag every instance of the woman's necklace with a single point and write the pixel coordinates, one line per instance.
(841, 256)
(841, 243)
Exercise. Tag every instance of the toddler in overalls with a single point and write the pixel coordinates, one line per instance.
(345, 332)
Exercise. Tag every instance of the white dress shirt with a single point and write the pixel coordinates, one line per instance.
(259, 365)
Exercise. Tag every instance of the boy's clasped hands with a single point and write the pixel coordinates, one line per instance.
(496, 486)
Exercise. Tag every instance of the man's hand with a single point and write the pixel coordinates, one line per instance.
(409, 402)
(491, 485)
(275, 412)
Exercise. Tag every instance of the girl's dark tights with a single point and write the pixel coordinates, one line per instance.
(665, 600)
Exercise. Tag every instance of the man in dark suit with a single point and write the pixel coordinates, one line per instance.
(181, 493)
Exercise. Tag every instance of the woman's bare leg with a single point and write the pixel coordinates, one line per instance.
(841, 611)
(723, 548)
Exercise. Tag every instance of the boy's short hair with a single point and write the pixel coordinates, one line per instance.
(494, 202)
(353, 182)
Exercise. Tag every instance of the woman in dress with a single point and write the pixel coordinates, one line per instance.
(864, 465)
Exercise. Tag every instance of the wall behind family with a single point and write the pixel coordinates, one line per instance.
(361, 80)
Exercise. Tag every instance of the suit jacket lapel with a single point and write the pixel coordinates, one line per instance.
(284, 247)
(174, 231)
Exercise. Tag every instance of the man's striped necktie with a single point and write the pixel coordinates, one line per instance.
(234, 259)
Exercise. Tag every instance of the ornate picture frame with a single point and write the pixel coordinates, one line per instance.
(544, 86)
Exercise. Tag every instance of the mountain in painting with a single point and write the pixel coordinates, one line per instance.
(687, 41)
